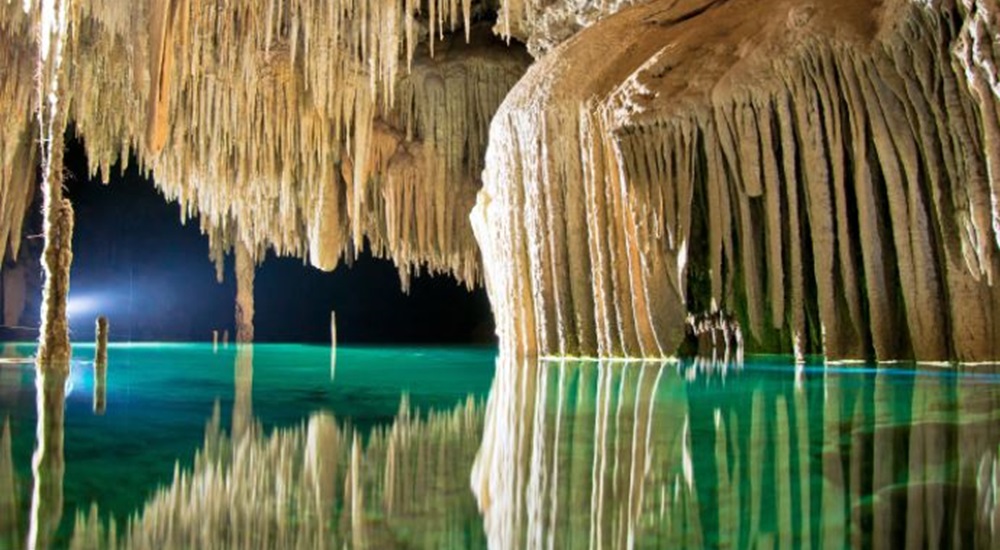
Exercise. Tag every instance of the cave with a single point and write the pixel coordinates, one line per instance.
(499, 273)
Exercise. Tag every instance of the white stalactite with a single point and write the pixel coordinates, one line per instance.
(250, 118)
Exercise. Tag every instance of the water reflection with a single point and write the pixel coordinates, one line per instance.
(319, 485)
(619, 455)
(48, 464)
(10, 510)
(574, 454)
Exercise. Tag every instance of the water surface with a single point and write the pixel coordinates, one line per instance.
(292, 446)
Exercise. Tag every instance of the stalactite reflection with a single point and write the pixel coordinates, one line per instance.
(243, 399)
(10, 509)
(622, 455)
(48, 463)
(318, 485)
(605, 455)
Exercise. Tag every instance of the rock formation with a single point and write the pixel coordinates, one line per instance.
(100, 394)
(15, 285)
(245, 271)
(310, 129)
(825, 170)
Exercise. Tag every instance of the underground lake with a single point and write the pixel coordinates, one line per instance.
(297, 446)
(506, 274)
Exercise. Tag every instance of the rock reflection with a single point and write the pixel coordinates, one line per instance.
(577, 454)
(318, 485)
(48, 462)
(10, 510)
(622, 455)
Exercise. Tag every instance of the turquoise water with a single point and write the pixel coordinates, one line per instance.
(279, 446)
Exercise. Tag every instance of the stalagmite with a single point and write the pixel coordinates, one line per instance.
(245, 269)
(101, 366)
(825, 157)
(333, 330)
(101, 345)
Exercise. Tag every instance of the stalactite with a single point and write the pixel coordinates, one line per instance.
(18, 136)
(828, 162)
(544, 24)
(53, 33)
(249, 119)
(245, 268)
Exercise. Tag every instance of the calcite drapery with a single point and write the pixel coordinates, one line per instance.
(828, 171)
(823, 169)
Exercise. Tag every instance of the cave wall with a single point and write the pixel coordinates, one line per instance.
(827, 171)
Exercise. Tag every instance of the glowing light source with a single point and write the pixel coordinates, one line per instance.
(83, 304)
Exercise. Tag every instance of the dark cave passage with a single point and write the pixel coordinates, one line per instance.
(135, 262)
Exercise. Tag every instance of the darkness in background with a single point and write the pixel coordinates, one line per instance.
(136, 263)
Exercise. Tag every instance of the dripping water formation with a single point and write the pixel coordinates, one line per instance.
(499, 273)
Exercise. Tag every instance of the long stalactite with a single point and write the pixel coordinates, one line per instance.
(825, 172)
(310, 129)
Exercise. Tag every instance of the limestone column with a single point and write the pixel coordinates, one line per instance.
(244, 294)
(54, 346)
(54, 349)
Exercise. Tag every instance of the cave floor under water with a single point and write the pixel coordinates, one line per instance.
(293, 446)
